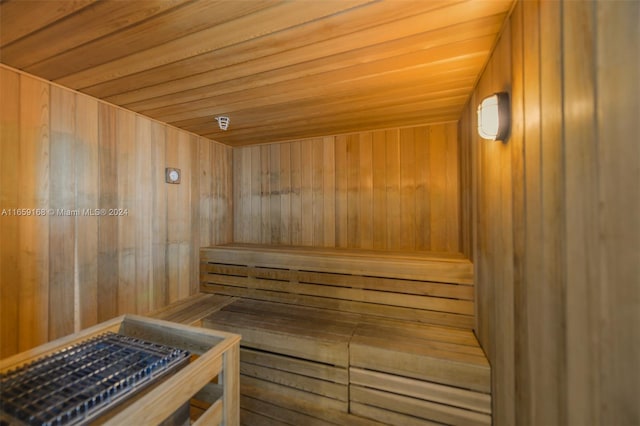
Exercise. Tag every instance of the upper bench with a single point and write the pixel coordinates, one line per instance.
(435, 288)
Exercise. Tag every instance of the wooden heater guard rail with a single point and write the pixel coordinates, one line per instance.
(218, 356)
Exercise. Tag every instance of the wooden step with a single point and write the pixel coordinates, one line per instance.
(191, 310)
(421, 354)
(313, 334)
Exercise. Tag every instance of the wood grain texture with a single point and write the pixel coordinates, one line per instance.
(17, 24)
(10, 152)
(618, 65)
(282, 70)
(33, 190)
(108, 260)
(557, 249)
(70, 268)
(363, 190)
(429, 288)
(87, 197)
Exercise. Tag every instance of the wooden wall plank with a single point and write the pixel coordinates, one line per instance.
(551, 326)
(224, 195)
(437, 181)
(329, 184)
(533, 218)
(353, 190)
(108, 259)
(68, 269)
(517, 141)
(341, 190)
(423, 205)
(222, 224)
(453, 188)
(363, 190)
(33, 229)
(285, 194)
(580, 133)
(296, 197)
(126, 172)
(141, 213)
(393, 187)
(87, 196)
(181, 214)
(206, 152)
(194, 228)
(265, 196)
(159, 296)
(618, 109)
(274, 194)
(558, 245)
(379, 190)
(247, 172)
(317, 191)
(9, 248)
(237, 164)
(306, 192)
(408, 189)
(62, 235)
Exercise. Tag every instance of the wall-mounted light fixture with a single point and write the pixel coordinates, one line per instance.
(494, 117)
(223, 122)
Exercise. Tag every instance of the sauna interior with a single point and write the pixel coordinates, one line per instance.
(383, 263)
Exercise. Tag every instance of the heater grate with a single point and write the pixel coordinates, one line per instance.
(78, 383)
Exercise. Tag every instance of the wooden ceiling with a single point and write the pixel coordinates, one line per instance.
(280, 70)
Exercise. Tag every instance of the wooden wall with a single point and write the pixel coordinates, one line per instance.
(389, 190)
(555, 216)
(63, 150)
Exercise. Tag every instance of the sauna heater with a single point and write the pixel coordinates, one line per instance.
(85, 381)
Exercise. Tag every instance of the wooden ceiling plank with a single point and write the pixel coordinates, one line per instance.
(312, 32)
(415, 80)
(348, 98)
(443, 19)
(281, 70)
(179, 22)
(305, 106)
(316, 107)
(18, 19)
(307, 131)
(257, 24)
(146, 99)
(308, 112)
(474, 51)
(255, 120)
(320, 106)
(90, 23)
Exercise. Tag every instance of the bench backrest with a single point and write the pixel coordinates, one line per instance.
(423, 287)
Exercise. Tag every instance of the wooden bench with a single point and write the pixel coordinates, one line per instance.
(350, 337)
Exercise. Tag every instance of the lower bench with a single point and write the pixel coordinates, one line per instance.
(302, 365)
(405, 374)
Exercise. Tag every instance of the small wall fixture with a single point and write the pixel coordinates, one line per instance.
(494, 117)
(172, 175)
(223, 122)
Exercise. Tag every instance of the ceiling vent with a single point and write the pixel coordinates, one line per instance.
(223, 122)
